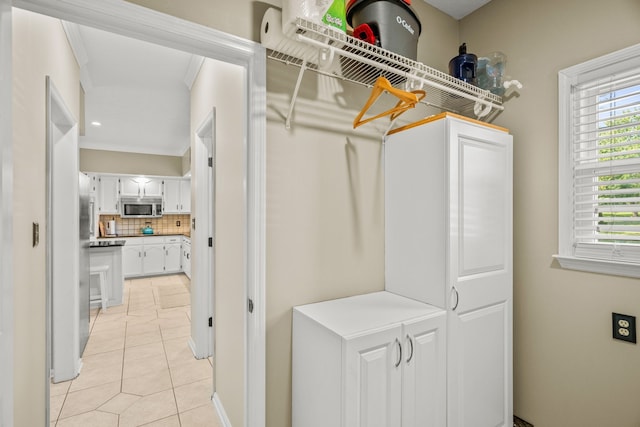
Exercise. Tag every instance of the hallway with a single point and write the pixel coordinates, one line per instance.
(137, 367)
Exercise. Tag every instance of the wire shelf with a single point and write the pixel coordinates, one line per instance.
(328, 51)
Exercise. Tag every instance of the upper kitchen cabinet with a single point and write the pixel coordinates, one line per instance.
(136, 186)
(94, 184)
(108, 195)
(177, 196)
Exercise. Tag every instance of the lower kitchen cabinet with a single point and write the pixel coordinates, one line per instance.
(172, 254)
(186, 256)
(371, 360)
(143, 256)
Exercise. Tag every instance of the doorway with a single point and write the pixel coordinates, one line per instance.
(125, 18)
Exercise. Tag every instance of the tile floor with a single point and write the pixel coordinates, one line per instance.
(138, 369)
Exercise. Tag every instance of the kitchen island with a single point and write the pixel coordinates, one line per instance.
(108, 253)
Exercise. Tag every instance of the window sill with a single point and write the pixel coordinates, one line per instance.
(614, 268)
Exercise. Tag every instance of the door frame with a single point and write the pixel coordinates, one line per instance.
(135, 21)
(6, 218)
(202, 339)
(62, 269)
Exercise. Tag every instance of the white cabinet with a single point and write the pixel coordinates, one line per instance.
(186, 256)
(172, 254)
(185, 195)
(371, 360)
(94, 185)
(177, 196)
(448, 190)
(132, 257)
(146, 256)
(136, 186)
(108, 195)
(153, 261)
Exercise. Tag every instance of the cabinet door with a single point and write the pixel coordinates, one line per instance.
(93, 184)
(185, 196)
(373, 376)
(186, 266)
(171, 196)
(153, 259)
(172, 257)
(132, 260)
(424, 379)
(109, 191)
(152, 187)
(130, 187)
(480, 271)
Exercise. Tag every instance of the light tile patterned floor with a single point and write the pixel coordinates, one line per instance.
(138, 369)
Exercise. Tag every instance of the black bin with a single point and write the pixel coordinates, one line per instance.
(390, 24)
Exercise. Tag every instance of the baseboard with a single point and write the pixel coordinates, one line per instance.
(222, 414)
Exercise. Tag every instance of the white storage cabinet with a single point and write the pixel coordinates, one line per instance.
(374, 360)
(448, 189)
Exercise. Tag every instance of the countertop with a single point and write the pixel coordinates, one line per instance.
(106, 243)
(120, 236)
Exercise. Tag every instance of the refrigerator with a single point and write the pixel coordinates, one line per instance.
(83, 278)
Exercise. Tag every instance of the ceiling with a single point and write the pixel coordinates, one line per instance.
(457, 9)
(139, 92)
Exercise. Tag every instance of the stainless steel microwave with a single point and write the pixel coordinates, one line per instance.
(148, 207)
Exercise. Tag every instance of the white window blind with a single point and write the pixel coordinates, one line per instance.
(600, 159)
(606, 152)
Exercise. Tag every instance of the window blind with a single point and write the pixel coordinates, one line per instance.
(606, 166)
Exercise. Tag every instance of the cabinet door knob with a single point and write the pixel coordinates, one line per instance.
(411, 352)
(454, 292)
(399, 352)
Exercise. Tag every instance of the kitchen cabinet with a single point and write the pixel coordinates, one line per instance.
(448, 214)
(142, 256)
(109, 195)
(94, 185)
(186, 256)
(136, 186)
(172, 254)
(132, 258)
(177, 196)
(370, 360)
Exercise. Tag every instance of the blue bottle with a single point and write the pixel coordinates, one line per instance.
(464, 66)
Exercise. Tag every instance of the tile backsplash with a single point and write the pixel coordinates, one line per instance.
(168, 224)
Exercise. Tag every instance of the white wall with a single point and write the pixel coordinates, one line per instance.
(568, 370)
(40, 48)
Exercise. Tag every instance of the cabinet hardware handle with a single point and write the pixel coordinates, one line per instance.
(454, 291)
(410, 354)
(399, 352)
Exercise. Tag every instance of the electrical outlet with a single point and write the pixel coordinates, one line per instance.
(624, 327)
(177, 223)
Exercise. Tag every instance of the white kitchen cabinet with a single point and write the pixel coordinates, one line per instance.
(186, 256)
(94, 184)
(136, 186)
(108, 195)
(172, 254)
(152, 255)
(448, 190)
(371, 360)
(185, 196)
(177, 196)
(153, 262)
(132, 258)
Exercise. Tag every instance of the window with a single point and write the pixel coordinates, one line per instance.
(599, 170)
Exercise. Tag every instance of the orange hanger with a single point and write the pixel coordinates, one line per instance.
(407, 101)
